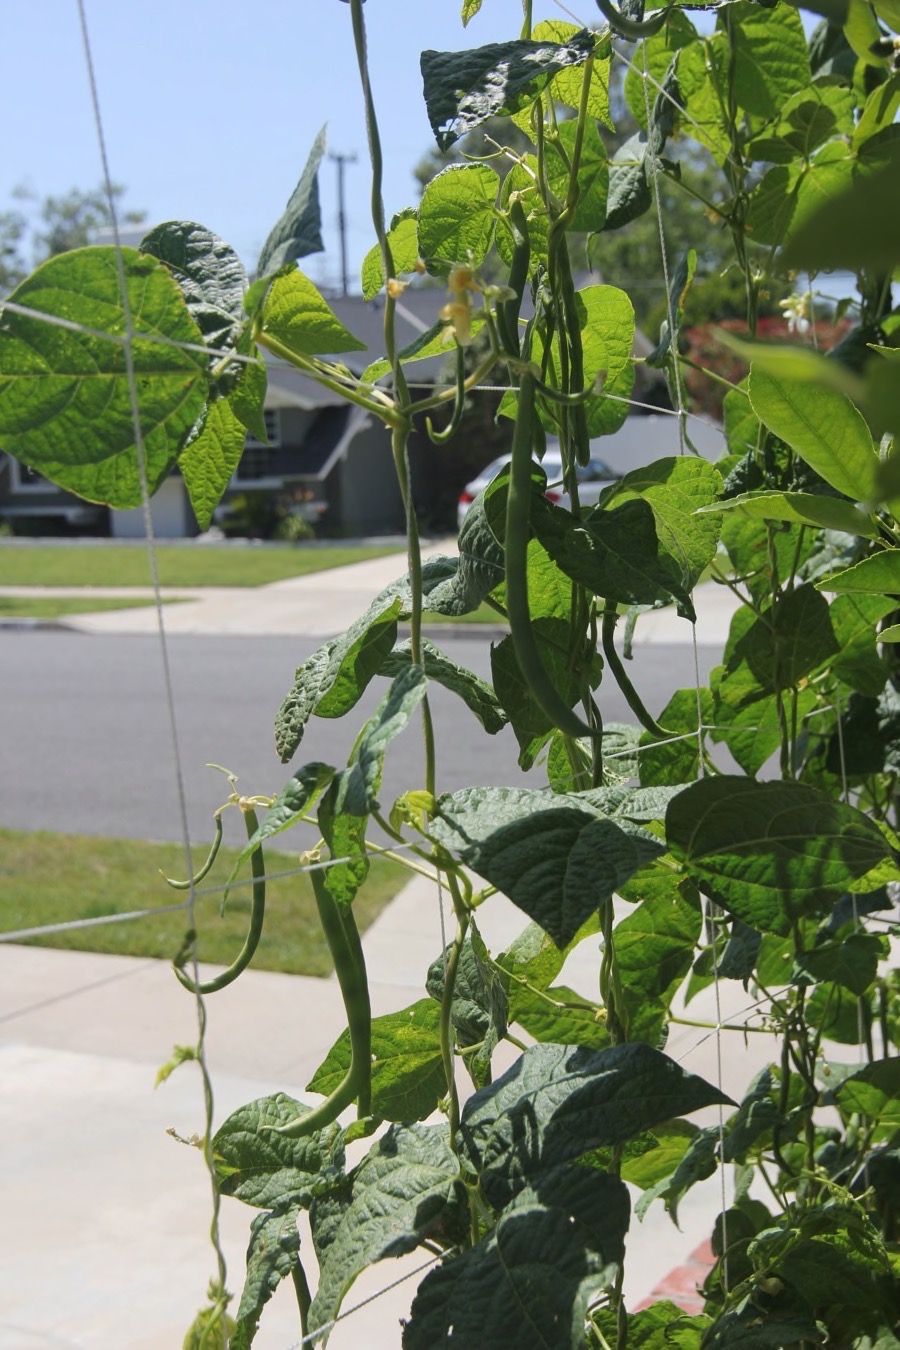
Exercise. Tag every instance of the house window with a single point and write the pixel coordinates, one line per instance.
(255, 461)
(24, 479)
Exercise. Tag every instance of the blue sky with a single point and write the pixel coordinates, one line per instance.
(210, 106)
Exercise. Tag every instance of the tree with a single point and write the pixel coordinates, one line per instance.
(45, 227)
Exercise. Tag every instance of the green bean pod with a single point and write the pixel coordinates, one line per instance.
(257, 917)
(632, 697)
(342, 936)
(518, 511)
(459, 404)
(205, 869)
(508, 311)
(631, 28)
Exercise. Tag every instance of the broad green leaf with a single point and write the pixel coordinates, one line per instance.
(291, 804)
(696, 1164)
(771, 63)
(247, 397)
(661, 762)
(407, 1070)
(631, 803)
(702, 70)
(629, 194)
(667, 1145)
(855, 620)
(785, 644)
(593, 175)
(530, 1281)
(746, 717)
(654, 947)
(789, 1323)
(436, 341)
(531, 725)
(878, 574)
(606, 316)
(614, 553)
(555, 858)
(476, 693)
(742, 428)
(336, 675)
(403, 242)
(806, 508)
(823, 427)
(862, 32)
(561, 1015)
(879, 111)
(210, 274)
(535, 957)
(296, 317)
(663, 1326)
(790, 363)
(676, 489)
(771, 852)
(889, 12)
(469, 10)
(270, 1170)
(567, 86)
(272, 1255)
(353, 793)
(210, 459)
(856, 227)
(873, 1091)
(811, 117)
(792, 194)
(65, 399)
(456, 216)
(832, 1256)
(851, 962)
(558, 1102)
(548, 1011)
(479, 1005)
(480, 569)
(755, 1118)
(403, 1192)
(658, 52)
(298, 232)
(464, 89)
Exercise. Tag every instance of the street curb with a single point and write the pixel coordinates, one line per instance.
(29, 625)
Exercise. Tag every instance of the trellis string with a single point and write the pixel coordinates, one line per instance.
(215, 1235)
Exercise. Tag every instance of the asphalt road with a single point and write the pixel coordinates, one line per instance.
(85, 745)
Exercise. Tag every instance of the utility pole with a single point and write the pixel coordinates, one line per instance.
(340, 161)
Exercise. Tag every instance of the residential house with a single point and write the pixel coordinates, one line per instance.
(329, 459)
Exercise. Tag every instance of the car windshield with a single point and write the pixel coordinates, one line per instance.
(594, 471)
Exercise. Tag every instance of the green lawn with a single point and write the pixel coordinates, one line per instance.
(52, 606)
(53, 878)
(203, 565)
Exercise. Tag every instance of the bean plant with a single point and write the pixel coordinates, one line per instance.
(744, 835)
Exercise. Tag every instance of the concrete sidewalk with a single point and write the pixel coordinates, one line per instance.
(105, 1240)
(325, 603)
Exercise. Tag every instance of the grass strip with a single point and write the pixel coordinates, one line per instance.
(181, 565)
(48, 878)
(54, 606)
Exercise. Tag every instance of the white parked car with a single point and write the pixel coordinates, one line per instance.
(593, 477)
